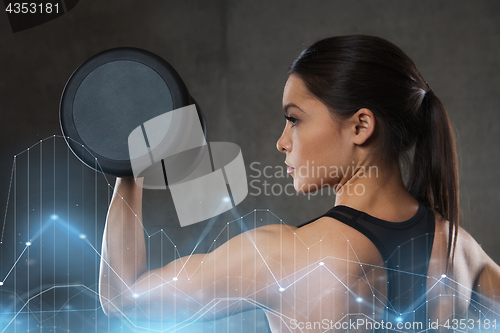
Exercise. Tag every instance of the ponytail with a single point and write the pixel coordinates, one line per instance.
(433, 177)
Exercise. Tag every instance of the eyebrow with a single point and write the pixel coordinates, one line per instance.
(289, 105)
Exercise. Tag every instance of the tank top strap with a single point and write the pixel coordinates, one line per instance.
(350, 217)
(385, 235)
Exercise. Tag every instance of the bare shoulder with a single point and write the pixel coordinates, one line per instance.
(472, 266)
(325, 267)
(486, 279)
(326, 241)
(469, 255)
(486, 273)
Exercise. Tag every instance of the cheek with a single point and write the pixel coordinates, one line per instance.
(320, 145)
(324, 151)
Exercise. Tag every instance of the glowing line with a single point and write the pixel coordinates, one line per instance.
(15, 264)
(126, 285)
(8, 198)
(184, 265)
(26, 303)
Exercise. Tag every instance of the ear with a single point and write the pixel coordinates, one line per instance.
(363, 127)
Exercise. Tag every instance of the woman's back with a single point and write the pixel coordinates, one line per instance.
(405, 247)
(472, 284)
(344, 280)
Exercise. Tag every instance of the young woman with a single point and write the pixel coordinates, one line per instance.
(388, 256)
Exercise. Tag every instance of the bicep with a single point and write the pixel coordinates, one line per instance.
(274, 267)
(235, 277)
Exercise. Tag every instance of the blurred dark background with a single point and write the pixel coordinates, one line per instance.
(233, 56)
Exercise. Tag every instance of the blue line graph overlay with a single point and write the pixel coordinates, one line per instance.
(50, 253)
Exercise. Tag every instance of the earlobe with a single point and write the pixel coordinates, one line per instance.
(364, 125)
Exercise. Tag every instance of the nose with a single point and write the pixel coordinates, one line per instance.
(284, 144)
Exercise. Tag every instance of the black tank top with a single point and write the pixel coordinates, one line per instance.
(405, 248)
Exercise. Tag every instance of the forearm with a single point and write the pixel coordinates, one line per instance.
(123, 256)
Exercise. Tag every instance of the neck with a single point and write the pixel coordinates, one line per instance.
(378, 191)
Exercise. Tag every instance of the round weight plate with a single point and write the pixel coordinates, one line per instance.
(109, 96)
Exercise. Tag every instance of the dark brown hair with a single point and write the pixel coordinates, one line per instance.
(348, 73)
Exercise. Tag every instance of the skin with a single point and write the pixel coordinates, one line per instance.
(293, 273)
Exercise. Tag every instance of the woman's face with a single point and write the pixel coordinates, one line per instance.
(312, 141)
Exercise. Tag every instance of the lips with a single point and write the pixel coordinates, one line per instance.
(290, 169)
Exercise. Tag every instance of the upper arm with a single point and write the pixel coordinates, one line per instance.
(294, 273)
(237, 276)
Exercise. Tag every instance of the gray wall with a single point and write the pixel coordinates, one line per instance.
(233, 56)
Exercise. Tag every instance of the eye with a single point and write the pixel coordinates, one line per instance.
(292, 120)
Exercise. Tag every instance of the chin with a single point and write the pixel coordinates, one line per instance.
(302, 186)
